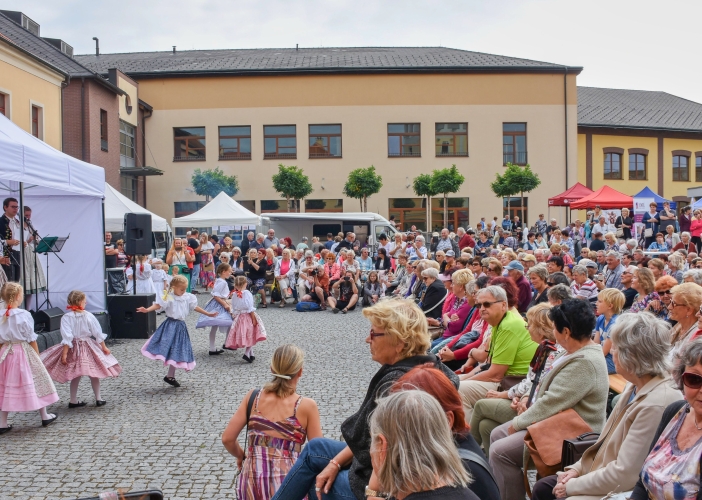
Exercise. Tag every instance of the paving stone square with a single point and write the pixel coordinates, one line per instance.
(151, 435)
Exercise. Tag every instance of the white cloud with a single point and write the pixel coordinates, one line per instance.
(621, 44)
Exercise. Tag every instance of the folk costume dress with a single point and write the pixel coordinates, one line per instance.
(143, 279)
(171, 341)
(159, 279)
(224, 318)
(85, 356)
(243, 333)
(34, 273)
(25, 385)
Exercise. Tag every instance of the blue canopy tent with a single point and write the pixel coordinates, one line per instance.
(697, 205)
(647, 193)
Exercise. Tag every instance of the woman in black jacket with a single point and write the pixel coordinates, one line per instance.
(434, 295)
(382, 261)
(255, 267)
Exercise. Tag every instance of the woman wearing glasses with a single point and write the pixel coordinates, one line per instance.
(671, 469)
(684, 304)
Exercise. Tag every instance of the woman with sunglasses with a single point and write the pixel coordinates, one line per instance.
(660, 307)
(611, 465)
(671, 469)
(685, 302)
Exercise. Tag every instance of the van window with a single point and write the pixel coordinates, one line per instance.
(322, 230)
(387, 230)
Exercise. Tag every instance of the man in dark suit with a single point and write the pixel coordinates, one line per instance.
(11, 236)
(434, 294)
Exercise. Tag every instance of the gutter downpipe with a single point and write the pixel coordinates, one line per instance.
(82, 118)
(64, 85)
(565, 109)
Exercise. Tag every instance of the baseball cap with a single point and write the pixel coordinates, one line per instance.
(450, 253)
(514, 265)
(588, 263)
(529, 257)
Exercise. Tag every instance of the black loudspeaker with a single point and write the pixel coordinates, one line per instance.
(125, 322)
(137, 234)
(48, 320)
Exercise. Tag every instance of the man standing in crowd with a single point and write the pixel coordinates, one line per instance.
(507, 224)
(591, 267)
(270, 240)
(248, 243)
(330, 241)
(194, 244)
(11, 234)
(602, 226)
(666, 217)
(541, 225)
(613, 269)
(516, 271)
(110, 252)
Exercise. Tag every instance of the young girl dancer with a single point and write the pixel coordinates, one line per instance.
(159, 276)
(220, 305)
(143, 271)
(25, 384)
(171, 342)
(247, 329)
(79, 354)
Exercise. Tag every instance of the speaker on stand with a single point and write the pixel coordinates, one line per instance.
(137, 234)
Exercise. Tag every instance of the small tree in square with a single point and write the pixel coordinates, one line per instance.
(447, 180)
(361, 184)
(421, 185)
(210, 183)
(292, 183)
(521, 180)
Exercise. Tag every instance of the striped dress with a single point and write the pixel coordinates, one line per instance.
(268, 458)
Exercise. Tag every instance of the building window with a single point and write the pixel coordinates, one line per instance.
(325, 141)
(698, 167)
(324, 206)
(451, 139)
(183, 208)
(3, 104)
(637, 166)
(103, 130)
(612, 166)
(38, 122)
(127, 150)
(249, 205)
(129, 187)
(515, 209)
(277, 206)
(410, 212)
(404, 139)
(681, 168)
(235, 143)
(514, 143)
(280, 142)
(189, 144)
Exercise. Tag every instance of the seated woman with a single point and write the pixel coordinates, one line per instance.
(501, 406)
(645, 284)
(432, 381)
(672, 468)
(640, 345)
(398, 342)
(659, 244)
(663, 288)
(578, 380)
(434, 295)
(411, 468)
(456, 307)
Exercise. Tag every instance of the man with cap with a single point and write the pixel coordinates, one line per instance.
(629, 293)
(528, 261)
(591, 267)
(516, 272)
(450, 261)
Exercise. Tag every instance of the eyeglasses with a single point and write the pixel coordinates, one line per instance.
(664, 292)
(374, 335)
(550, 283)
(692, 380)
(675, 304)
(486, 305)
(491, 269)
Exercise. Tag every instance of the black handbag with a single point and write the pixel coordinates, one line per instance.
(573, 449)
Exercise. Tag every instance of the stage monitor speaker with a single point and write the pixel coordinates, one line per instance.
(48, 320)
(125, 322)
(137, 234)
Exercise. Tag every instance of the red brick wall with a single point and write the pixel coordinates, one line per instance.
(71, 120)
(98, 97)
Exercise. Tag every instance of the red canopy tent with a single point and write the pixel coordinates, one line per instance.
(570, 195)
(605, 197)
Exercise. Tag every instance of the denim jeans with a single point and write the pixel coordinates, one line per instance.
(195, 276)
(300, 481)
(437, 344)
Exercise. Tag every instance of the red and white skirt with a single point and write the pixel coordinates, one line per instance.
(84, 359)
(243, 333)
(25, 384)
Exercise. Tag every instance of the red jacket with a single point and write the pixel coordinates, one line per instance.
(696, 227)
(466, 241)
(462, 353)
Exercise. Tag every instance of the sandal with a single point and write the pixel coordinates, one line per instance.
(282, 304)
(264, 306)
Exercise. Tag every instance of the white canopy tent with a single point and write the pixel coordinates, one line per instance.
(65, 195)
(221, 211)
(116, 205)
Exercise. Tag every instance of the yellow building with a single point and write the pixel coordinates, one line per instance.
(406, 111)
(630, 139)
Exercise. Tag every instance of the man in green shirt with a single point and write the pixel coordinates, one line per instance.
(510, 349)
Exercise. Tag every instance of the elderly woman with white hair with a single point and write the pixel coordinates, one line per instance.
(693, 276)
(640, 346)
(407, 467)
(285, 275)
(434, 295)
(685, 243)
(417, 249)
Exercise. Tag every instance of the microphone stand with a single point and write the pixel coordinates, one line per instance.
(36, 273)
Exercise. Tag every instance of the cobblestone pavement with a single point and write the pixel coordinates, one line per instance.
(150, 435)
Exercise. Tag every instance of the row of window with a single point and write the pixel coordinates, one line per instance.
(36, 114)
(280, 141)
(638, 169)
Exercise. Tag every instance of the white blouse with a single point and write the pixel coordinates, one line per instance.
(80, 325)
(159, 276)
(140, 275)
(245, 304)
(177, 306)
(220, 289)
(17, 327)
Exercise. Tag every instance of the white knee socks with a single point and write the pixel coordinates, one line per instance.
(74, 390)
(171, 371)
(213, 338)
(95, 382)
(3, 418)
(249, 351)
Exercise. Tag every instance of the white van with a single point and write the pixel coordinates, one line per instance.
(366, 225)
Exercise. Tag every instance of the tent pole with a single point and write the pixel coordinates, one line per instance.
(22, 278)
(104, 266)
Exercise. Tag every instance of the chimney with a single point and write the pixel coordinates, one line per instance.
(174, 49)
(97, 45)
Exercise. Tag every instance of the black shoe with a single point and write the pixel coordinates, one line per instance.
(227, 348)
(3, 430)
(248, 359)
(344, 311)
(171, 381)
(46, 423)
(335, 310)
(100, 402)
(216, 352)
(77, 405)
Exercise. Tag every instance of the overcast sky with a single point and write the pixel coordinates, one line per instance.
(642, 44)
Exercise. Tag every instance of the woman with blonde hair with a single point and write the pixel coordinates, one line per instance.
(685, 303)
(611, 242)
(456, 307)
(645, 284)
(278, 422)
(398, 341)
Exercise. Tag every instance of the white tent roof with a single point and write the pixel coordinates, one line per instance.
(116, 205)
(221, 211)
(30, 160)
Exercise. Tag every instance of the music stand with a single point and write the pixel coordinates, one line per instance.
(47, 245)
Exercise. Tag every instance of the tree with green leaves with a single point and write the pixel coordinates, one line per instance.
(445, 181)
(292, 183)
(421, 185)
(502, 189)
(361, 184)
(212, 182)
(521, 180)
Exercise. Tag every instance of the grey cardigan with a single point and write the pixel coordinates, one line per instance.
(579, 382)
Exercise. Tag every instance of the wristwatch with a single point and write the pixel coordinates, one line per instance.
(372, 493)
